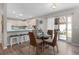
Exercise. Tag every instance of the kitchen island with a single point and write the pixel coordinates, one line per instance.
(18, 32)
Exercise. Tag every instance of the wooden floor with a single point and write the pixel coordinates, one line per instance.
(23, 49)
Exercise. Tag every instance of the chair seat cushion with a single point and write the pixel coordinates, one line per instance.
(49, 43)
(38, 41)
(49, 40)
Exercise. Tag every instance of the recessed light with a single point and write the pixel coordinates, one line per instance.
(20, 14)
(54, 6)
(14, 12)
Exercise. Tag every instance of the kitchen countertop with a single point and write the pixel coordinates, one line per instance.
(19, 30)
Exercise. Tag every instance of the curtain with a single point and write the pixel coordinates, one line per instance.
(56, 24)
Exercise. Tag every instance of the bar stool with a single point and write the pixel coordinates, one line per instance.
(25, 37)
(22, 38)
(12, 37)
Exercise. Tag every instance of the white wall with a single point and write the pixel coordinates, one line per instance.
(4, 26)
(1, 9)
(75, 26)
(43, 26)
(0, 23)
(0, 28)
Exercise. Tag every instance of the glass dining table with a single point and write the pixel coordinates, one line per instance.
(43, 37)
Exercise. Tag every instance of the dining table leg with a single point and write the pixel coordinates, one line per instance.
(43, 44)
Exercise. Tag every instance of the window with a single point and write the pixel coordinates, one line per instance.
(50, 23)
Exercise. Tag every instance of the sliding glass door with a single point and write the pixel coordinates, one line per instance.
(65, 28)
(62, 28)
(69, 28)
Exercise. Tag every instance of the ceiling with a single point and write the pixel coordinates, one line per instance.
(29, 10)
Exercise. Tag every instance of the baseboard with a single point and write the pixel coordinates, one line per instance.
(62, 40)
(72, 43)
(75, 44)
